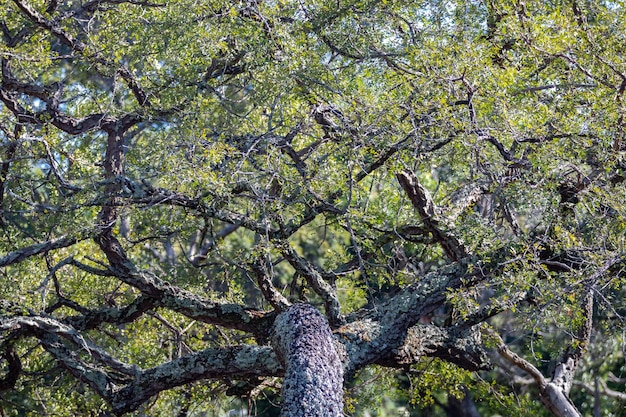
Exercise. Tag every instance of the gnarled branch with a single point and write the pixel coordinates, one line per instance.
(421, 200)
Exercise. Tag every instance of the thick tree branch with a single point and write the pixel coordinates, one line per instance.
(37, 249)
(125, 386)
(553, 396)
(461, 347)
(65, 123)
(386, 329)
(69, 359)
(313, 383)
(232, 316)
(240, 362)
(422, 201)
(169, 296)
(48, 326)
(9, 152)
(10, 83)
(51, 332)
(14, 40)
(14, 367)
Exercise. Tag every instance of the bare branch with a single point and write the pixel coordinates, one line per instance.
(563, 375)
(554, 393)
(520, 362)
(421, 200)
(317, 283)
(196, 256)
(262, 270)
(603, 389)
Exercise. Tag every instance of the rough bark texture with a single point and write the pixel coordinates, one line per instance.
(558, 402)
(313, 359)
(313, 383)
(245, 361)
(421, 200)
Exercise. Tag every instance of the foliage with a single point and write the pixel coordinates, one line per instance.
(246, 155)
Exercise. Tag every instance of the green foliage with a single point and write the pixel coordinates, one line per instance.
(511, 115)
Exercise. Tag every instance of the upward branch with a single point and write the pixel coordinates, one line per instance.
(554, 393)
(421, 200)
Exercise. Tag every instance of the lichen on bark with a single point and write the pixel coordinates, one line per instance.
(313, 383)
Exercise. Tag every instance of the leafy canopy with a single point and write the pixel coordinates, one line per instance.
(247, 153)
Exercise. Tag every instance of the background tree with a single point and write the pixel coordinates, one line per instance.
(200, 198)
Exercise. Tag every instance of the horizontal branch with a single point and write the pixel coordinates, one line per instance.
(91, 319)
(169, 296)
(463, 348)
(387, 329)
(71, 125)
(241, 362)
(234, 316)
(45, 325)
(602, 389)
(79, 47)
(37, 249)
(126, 386)
(555, 87)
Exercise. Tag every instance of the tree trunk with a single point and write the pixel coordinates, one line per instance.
(556, 400)
(313, 383)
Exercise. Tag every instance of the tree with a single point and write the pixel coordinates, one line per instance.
(207, 198)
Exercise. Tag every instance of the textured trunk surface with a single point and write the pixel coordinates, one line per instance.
(557, 401)
(313, 383)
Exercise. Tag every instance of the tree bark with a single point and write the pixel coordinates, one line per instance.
(313, 383)
(554, 393)
(557, 401)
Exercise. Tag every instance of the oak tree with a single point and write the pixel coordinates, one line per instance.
(206, 199)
